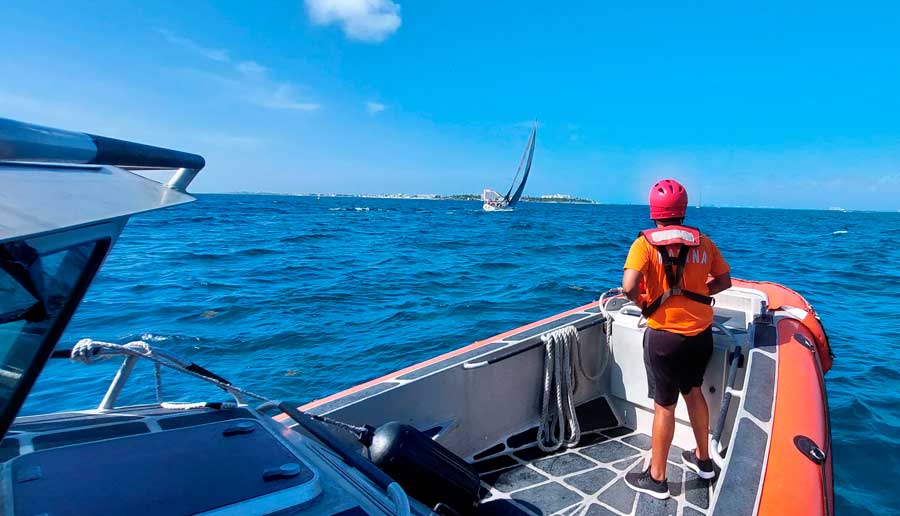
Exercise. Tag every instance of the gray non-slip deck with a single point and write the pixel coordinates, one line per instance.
(588, 480)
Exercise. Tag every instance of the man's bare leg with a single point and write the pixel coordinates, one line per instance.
(663, 433)
(698, 413)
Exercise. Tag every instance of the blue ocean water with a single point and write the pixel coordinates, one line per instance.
(299, 297)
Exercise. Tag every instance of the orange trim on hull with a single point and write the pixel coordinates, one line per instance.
(465, 349)
(793, 484)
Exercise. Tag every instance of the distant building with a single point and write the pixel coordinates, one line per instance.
(559, 196)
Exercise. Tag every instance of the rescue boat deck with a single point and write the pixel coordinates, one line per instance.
(587, 480)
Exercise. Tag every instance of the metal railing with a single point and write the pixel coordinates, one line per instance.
(24, 142)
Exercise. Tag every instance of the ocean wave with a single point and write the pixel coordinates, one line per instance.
(159, 339)
(500, 265)
(305, 237)
(353, 208)
(255, 251)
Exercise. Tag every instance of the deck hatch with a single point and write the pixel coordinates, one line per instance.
(63, 423)
(211, 416)
(212, 471)
(93, 433)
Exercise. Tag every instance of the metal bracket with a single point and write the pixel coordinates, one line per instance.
(799, 337)
(810, 449)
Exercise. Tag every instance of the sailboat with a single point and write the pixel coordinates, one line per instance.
(493, 201)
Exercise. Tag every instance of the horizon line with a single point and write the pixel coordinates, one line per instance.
(442, 197)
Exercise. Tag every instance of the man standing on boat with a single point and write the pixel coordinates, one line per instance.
(670, 273)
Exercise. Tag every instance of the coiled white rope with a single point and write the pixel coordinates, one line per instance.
(559, 423)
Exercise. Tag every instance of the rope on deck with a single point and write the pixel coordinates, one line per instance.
(559, 423)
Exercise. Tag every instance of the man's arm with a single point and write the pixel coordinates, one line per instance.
(718, 283)
(631, 281)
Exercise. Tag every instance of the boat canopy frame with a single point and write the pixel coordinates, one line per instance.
(31, 143)
(66, 198)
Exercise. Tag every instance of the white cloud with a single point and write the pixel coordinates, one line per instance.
(375, 107)
(281, 96)
(251, 68)
(249, 80)
(190, 45)
(363, 20)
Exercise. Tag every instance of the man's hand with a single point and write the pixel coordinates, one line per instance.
(719, 283)
(631, 283)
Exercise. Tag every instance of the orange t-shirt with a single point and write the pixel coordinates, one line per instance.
(678, 314)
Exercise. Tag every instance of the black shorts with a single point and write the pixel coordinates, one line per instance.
(675, 363)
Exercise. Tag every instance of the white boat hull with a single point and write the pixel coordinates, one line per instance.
(491, 207)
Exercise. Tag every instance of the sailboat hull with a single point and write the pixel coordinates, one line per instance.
(491, 207)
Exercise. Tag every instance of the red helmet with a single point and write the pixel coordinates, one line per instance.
(668, 200)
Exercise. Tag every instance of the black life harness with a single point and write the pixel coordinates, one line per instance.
(662, 238)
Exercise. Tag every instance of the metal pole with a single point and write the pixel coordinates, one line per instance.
(20, 141)
(723, 410)
(181, 179)
(109, 400)
(726, 399)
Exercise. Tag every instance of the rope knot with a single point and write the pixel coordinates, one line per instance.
(86, 351)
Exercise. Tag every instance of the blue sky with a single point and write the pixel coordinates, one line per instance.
(762, 105)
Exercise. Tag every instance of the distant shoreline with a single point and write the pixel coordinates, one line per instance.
(551, 199)
(574, 200)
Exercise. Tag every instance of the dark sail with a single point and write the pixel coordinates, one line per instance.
(512, 197)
